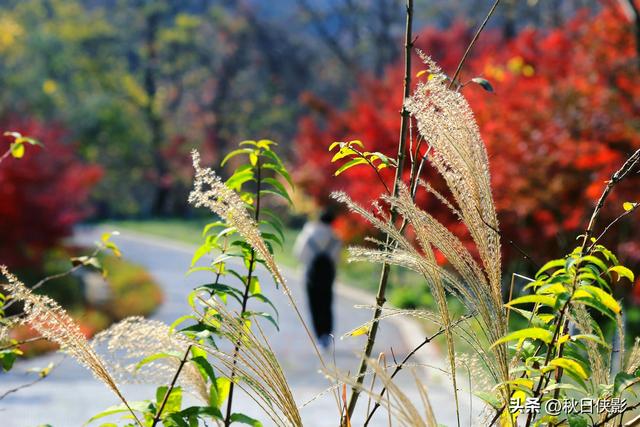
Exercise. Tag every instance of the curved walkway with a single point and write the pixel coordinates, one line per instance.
(70, 395)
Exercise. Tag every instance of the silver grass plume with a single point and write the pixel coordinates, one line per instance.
(50, 320)
(255, 365)
(211, 192)
(599, 366)
(447, 123)
(128, 342)
(470, 286)
(399, 406)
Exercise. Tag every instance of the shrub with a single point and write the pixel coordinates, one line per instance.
(42, 195)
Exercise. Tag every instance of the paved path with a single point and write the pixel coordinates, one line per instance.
(70, 395)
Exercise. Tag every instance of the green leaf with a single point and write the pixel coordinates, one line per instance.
(119, 409)
(223, 385)
(484, 83)
(235, 153)
(266, 144)
(541, 334)
(489, 398)
(623, 271)
(275, 193)
(549, 265)
(7, 358)
(538, 299)
(254, 286)
(253, 158)
(157, 356)
(622, 382)
(576, 420)
(603, 297)
(239, 178)
(278, 188)
(248, 314)
(344, 152)
(264, 299)
(204, 367)
(245, 419)
(335, 144)
(595, 261)
(280, 170)
(199, 253)
(350, 164)
(569, 365)
(174, 401)
(17, 150)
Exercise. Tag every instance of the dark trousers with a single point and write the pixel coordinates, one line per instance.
(320, 298)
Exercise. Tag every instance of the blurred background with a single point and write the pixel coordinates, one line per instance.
(120, 92)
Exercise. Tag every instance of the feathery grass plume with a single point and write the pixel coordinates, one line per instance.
(446, 121)
(129, 342)
(399, 406)
(211, 192)
(598, 365)
(633, 362)
(470, 286)
(255, 366)
(47, 317)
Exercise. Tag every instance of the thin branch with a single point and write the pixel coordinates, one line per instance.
(42, 375)
(399, 367)
(183, 361)
(473, 42)
(400, 160)
(19, 343)
(5, 155)
(58, 276)
(23, 386)
(611, 224)
(620, 174)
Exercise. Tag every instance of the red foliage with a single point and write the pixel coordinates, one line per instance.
(564, 117)
(42, 195)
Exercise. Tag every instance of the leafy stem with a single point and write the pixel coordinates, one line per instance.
(384, 274)
(156, 418)
(245, 295)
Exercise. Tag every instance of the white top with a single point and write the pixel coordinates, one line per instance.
(315, 237)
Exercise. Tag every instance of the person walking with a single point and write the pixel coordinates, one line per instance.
(318, 248)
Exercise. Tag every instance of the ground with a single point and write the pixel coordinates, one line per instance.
(70, 396)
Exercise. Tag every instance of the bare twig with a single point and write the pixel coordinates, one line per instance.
(473, 42)
(23, 386)
(156, 419)
(400, 160)
(19, 343)
(402, 364)
(611, 224)
(41, 375)
(620, 174)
